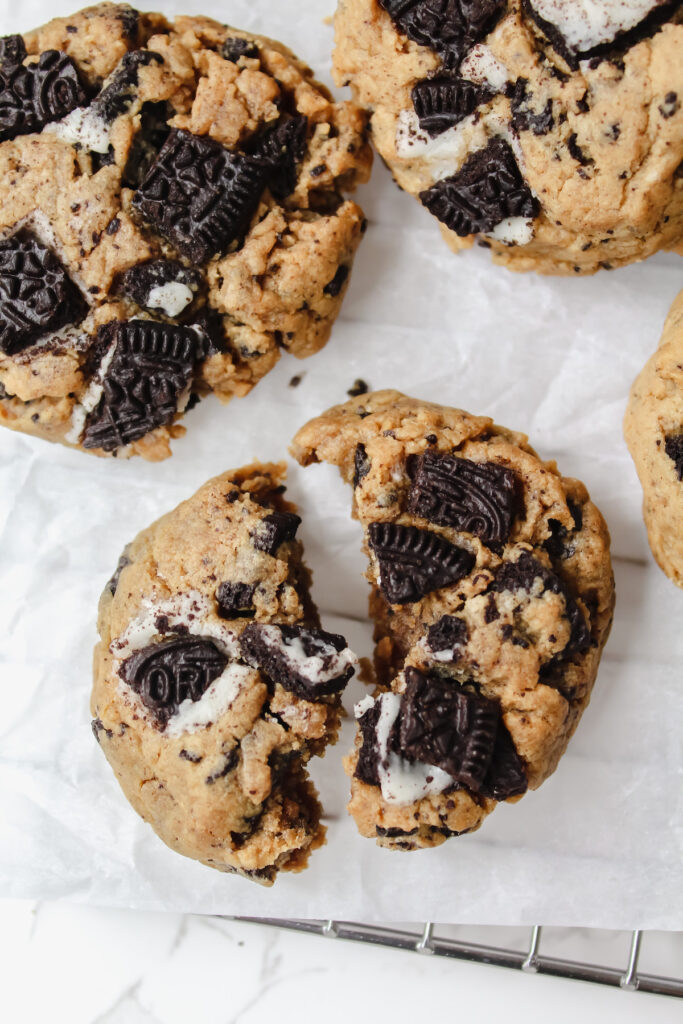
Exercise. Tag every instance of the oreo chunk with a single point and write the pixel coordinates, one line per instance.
(200, 196)
(361, 464)
(35, 94)
(367, 767)
(274, 530)
(525, 119)
(168, 673)
(556, 545)
(310, 663)
(447, 634)
(333, 288)
(279, 150)
(673, 446)
(124, 560)
(148, 283)
(151, 366)
(486, 190)
(234, 48)
(506, 776)
(235, 600)
(120, 91)
(449, 27)
(522, 575)
(442, 725)
(36, 294)
(12, 49)
(415, 562)
(153, 132)
(440, 103)
(477, 497)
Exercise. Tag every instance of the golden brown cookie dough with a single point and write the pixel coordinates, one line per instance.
(492, 597)
(214, 684)
(172, 219)
(653, 428)
(560, 149)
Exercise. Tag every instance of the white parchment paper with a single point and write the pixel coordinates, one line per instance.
(601, 843)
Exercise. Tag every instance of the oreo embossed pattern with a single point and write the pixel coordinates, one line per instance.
(548, 131)
(492, 597)
(214, 682)
(199, 230)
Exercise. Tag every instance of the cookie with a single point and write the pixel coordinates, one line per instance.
(549, 131)
(214, 684)
(172, 220)
(653, 428)
(492, 597)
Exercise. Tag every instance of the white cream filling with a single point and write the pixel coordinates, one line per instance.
(89, 401)
(310, 667)
(191, 610)
(513, 230)
(482, 67)
(82, 127)
(172, 298)
(585, 24)
(214, 702)
(401, 781)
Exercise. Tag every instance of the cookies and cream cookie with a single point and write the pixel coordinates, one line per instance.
(653, 428)
(492, 597)
(214, 683)
(549, 130)
(172, 219)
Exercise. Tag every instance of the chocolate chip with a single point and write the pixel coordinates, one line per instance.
(359, 387)
(35, 94)
(12, 50)
(281, 653)
(524, 119)
(274, 530)
(279, 151)
(334, 287)
(234, 48)
(440, 103)
(151, 367)
(167, 673)
(36, 294)
(415, 562)
(450, 27)
(361, 464)
(199, 195)
(124, 560)
(487, 189)
(139, 281)
(447, 634)
(478, 497)
(235, 600)
(121, 89)
(673, 446)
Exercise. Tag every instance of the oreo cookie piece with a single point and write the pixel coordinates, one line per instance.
(233, 48)
(235, 600)
(487, 190)
(310, 663)
(12, 49)
(164, 285)
(442, 102)
(280, 150)
(448, 634)
(367, 766)
(506, 776)
(120, 90)
(33, 95)
(274, 530)
(149, 366)
(476, 497)
(167, 673)
(415, 562)
(37, 296)
(524, 118)
(673, 446)
(449, 27)
(199, 195)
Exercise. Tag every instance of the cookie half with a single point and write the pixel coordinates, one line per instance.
(551, 131)
(173, 219)
(213, 682)
(492, 597)
(653, 428)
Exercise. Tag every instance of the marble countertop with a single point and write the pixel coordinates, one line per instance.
(82, 965)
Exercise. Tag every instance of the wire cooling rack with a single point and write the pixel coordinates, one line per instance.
(433, 939)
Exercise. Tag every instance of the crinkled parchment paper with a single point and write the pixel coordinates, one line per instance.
(601, 843)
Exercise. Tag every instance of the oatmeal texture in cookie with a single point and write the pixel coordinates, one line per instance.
(173, 218)
(214, 684)
(653, 428)
(550, 131)
(492, 596)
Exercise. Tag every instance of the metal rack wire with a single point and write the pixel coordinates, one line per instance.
(425, 939)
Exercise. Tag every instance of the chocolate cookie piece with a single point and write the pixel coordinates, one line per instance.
(184, 152)
(481, 679)
(209, 719)
(276, 529)
(576, 97)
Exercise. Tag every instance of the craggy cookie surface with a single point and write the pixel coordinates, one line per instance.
(214, 684)
(653, 428)
(492, 595)
(551, 130)
(171, 219)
